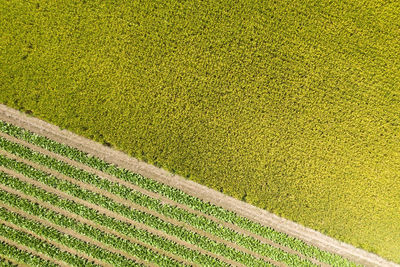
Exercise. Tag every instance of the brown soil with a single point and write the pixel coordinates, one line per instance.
(56, 244)
(253, 213)
(33, 252)
(133, 206)
(103, 211)
(163, 199)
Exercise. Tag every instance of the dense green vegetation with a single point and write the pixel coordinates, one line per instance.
(292, 106)
(102, 194)
(160, 188)
(23, 256)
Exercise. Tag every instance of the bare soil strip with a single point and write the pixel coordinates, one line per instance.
(159, 197)
(44, 222)
(131, 205)
(33, 252)
(13, 261)
(105, 212)
(81, 220)
(56, 244)
(253, 213)
(78, 236)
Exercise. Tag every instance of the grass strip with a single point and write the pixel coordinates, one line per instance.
(175, 195)
(35, 243)
(23, 256)
(199, 222)
(95, 216)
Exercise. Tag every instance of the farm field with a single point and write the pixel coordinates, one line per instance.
(61, 206)
(291, 106)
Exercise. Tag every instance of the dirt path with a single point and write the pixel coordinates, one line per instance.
(133, 206)
(253, 213)
(163, 199)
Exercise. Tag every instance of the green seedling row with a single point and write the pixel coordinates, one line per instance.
(23, 256)
(175, 195)
(89, 213)
(165, 209)
(87, 230)
(37, 244)
(67, 240)
(135, 215)
(6, 262)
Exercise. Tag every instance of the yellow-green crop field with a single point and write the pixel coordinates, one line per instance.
(292, 106)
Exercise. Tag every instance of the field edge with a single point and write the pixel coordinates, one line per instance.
(244, 209)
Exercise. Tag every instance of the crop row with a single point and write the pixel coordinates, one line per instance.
(91, 214)
(168, 210)
(89, 231)
(67, 240)
(6, 262)
(38, 244)
(133, 214)
(174, 194)
(23, 256)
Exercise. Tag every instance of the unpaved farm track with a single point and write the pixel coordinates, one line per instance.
(206, 194)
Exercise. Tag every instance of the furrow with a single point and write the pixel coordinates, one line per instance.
(7, 261)
(60, 257)
(62, 238)
(163, 200)
(134, 214)
(38, 259)
(62, 247)
(247, 245)
(72, 233)
(136, 207)
(103, 212)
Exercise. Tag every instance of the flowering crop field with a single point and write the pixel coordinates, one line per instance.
(79, 210)
(290, 106)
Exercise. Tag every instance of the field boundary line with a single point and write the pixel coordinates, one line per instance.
(160, 197)
(204, 193)
(131, 205)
